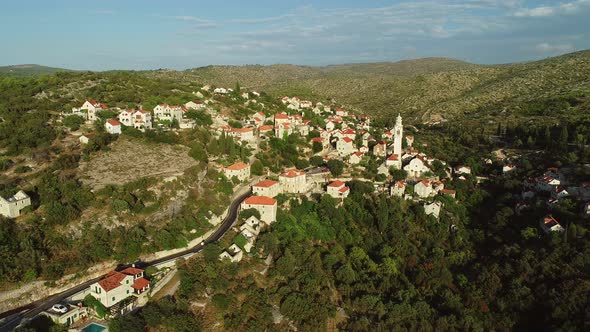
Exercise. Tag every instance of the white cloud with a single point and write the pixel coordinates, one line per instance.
(553, 48)
(544, 11)
(535, 12)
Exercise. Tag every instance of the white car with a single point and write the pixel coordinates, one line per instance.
(59, 308)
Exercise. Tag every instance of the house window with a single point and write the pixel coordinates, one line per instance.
(113, 299)
(127, 291)
(127, 281)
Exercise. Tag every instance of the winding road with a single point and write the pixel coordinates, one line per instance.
(35, 308)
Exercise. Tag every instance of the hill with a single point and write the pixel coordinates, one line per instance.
(422, 89)
(28, 70)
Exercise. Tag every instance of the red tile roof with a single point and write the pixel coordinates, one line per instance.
(113, 122)
(448, 191)
(293, 173)
(317, 139)
(260, 200)
(347, 139)
(393, 157)
(237, 166)
(343, 189)
(242, 130)
(336, 184)
(265, 128)
(281, 116)
(266, 184)
(112, 281)
(133, 271)
(140, 284)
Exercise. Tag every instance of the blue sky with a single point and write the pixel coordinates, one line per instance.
(178, 34)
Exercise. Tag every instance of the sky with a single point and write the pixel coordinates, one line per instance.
(181, 34)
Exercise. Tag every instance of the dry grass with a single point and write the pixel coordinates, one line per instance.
(130, 159)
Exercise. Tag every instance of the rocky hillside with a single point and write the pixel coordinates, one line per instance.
(422, 89)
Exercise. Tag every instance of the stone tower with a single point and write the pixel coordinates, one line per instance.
(398, 132)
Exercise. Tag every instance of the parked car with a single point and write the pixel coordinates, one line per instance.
(60, 308)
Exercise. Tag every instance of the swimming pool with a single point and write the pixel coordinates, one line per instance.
(93, 327)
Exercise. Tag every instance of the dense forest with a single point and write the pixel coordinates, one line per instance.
(380, 263)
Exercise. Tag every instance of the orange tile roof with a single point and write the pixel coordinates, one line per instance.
(237, 166)
(281, 116)
(293, 173)
(112, 281)
(449, 191)
(113, 122)
(266, 183)
(336, 184)
(344, 189)
(393, 157)
(347, 139)
(132, 271)
(242, 130)
(260, 200)
(140, 284)
(265, 128)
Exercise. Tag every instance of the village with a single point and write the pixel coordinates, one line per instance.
(404, 172)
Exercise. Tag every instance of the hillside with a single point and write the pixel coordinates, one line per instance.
(422, 90)
(28, 70)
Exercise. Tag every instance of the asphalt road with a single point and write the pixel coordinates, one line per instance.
(37, 307)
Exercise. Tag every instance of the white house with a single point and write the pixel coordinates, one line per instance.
(89, 109)
(112, 126)
(380, 149)
(250, 239)
(416, 168)
(239, 170)
(267, 187)
(266, 206)
(251, 224)
(221, 91)
(117, 286)
(243, 134)
(549, 224)
(508, 168)
(409, 140)
(394, 161)
(398, 188)
(423, 189)
(345, 146)
(341, 112)
(330, 125)
(165, 112)
(462, 170)
(324, 142)
(282, 129)
(449, 192)
(73, 314)
(140, 120)
(195, 105)
(560, 192)
(233, 253)
(85, 138)
(356, 158)
(433, 208)
(281, 118)
(11, 207)
(338, 189)
(293, 181)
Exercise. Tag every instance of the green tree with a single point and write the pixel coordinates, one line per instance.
(335, 166)
(257, 167)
